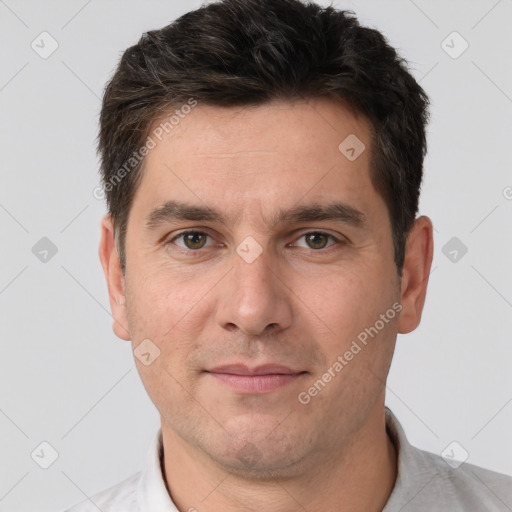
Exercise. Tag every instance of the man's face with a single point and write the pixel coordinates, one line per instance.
(250, 313)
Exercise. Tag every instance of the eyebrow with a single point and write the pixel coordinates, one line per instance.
(173, 211)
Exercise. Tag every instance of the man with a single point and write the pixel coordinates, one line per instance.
(262, 161)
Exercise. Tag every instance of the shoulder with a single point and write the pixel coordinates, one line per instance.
(121, 497)
(465, 487)
(426, 481)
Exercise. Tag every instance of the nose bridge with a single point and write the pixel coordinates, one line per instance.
(252, 271)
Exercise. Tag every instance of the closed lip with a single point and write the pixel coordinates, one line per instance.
(265, 369)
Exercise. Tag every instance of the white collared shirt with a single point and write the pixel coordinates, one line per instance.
(425, 483)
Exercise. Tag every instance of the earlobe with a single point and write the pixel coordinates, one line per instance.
(115, 279)
(416, 271)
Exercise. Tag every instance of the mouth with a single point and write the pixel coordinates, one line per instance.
(259, 380)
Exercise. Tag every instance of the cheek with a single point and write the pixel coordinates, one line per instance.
(167, 310)
(346, 300)
(161, 309)
(160, 302)
(352, 302)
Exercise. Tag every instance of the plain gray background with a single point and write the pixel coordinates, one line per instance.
(65, 379)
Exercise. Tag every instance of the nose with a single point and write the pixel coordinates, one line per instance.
(254, 297)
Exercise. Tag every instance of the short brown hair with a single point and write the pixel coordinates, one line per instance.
(250, 52)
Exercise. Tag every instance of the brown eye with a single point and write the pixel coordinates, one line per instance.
(192, 240)
(317, 240)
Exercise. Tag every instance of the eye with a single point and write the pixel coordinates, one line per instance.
(318, 240)
(196, 240)
(192, 240)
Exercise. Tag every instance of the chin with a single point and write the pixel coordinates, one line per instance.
(259, 457)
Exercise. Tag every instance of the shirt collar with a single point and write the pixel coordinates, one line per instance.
(414, 470)
(152, 494)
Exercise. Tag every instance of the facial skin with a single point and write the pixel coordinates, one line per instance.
(301, 303)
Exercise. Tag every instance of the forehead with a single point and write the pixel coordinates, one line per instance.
(312, 128)
(279, 153)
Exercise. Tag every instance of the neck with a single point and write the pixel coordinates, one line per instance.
(360, 474)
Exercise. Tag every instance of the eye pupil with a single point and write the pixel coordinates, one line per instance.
(316, 244)
(192, 237)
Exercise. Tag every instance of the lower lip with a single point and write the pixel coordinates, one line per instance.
(256, 383)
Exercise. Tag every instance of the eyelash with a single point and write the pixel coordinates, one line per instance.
(337, 241)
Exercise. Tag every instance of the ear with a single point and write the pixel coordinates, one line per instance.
(416, 271)
(115, 280)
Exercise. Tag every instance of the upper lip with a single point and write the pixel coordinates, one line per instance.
(265, 369)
